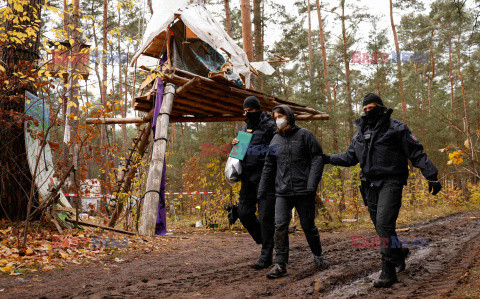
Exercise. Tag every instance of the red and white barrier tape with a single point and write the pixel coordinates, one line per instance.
(188, 193)
(90, 195)
(428, 214)
(113, 196)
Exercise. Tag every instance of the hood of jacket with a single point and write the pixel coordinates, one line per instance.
(287, 111)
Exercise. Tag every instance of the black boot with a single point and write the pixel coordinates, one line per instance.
(232, 213)
(261, 264)
(388, 276)
(404, 252)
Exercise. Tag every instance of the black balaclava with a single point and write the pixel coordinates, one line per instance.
(375, 114)
(252, 118)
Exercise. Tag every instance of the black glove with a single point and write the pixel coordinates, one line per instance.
(434, 187)
(232, 213)
(326, 159)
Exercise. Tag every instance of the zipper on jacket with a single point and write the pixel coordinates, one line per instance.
(290, 165)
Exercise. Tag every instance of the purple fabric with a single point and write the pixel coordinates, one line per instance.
(159, 95)
(161, 223)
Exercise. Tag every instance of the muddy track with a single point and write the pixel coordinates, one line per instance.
(216, 265)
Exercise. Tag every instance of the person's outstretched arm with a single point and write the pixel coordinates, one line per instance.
(346, 159)
(414, 151)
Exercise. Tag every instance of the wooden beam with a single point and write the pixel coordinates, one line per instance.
(113, 121)
(185, 87)
(186, 119)
(185, 105)
(230, 91)
(93, 224)
(305, 117)
(116, 121)
(207, 104)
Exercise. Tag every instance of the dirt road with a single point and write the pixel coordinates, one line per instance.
(215, 265)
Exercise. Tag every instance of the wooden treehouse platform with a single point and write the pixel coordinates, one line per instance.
(201, 99)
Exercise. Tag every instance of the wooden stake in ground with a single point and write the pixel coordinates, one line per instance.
(155, 172)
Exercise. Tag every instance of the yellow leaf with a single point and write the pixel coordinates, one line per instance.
(467, 143)
(63, 254)
(2, 69)
(71, 41)
(6, 269)
(71, 104)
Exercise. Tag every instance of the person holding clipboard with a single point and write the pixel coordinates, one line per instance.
(262, 128)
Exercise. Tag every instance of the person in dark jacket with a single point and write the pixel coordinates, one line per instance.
(262, 228)
(294, 165)
(383, 146)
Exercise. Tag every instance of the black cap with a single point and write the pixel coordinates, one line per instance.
(372, 98)
(251, 102)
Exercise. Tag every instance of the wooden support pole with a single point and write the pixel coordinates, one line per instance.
(155, 172)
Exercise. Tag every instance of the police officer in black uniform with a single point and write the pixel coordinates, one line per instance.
(262, 229)
(383, 146)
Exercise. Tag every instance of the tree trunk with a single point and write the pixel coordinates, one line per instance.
(324, 52)
(450, 76)
(150, 7)
(228, 17)
(247, 28)
(432, 76)
(15, 177)
(65, 16)
(466, 118)
(399, 63)
(75, 82)
(310, 51)
(258, 37)
(103, 90)
(346, 61)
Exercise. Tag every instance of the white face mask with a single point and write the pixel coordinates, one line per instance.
(281, 123)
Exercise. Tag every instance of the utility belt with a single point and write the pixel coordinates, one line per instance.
(366, 183)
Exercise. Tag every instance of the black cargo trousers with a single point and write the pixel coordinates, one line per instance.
(262, 228)
(384, 204)
(305, 206)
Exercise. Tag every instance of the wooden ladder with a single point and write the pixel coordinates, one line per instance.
(140, 143)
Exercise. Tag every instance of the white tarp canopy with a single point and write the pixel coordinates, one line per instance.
(196, 17)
